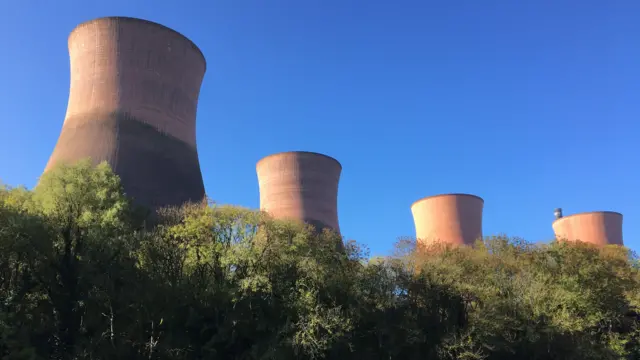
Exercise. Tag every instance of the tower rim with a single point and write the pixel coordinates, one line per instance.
(299, 152)
(143, 21)
(443, 195)
(588, 213)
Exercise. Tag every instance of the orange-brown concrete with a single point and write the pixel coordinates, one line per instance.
(598, 228)
(454, 219)
(301, 186)
(132, 102)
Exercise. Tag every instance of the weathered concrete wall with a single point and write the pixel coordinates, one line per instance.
(454, 219)
(300, 186)
(132, 102)
(598, 228)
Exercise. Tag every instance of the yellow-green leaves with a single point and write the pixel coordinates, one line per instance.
(223, 282)
(81, 195)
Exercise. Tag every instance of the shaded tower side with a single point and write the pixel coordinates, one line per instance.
(132, 102)
(300, 186)
(598, 228)
(454, 219)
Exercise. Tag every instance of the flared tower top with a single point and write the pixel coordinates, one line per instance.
(299, 153)
(587, 213)
(442, 195)
(142, 22)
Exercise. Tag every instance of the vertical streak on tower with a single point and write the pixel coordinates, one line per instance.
(132, 102)
(454, 219)
(300, 186)
(598, 228)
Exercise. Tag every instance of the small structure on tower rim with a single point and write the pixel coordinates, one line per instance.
(448, 219)
(132, 102)
(302, 186)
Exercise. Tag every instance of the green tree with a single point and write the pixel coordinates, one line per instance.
(82, 277)
(557, 301)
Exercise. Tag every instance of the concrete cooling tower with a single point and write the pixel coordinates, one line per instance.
(598, 228)
(301, 186)
(454, 219)
(132, 102)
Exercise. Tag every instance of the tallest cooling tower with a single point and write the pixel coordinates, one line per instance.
(132, 102)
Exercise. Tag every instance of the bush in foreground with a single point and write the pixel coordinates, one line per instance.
(80, 278)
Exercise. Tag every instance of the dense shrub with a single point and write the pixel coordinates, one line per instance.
(81, 278)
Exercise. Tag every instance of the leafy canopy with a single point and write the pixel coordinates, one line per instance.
(82, 278)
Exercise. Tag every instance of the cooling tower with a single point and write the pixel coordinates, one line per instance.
(598, 228)
(132, 102)
(454, 219)
(301, 186)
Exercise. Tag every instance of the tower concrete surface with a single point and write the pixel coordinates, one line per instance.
(300, 186)
(453, 219)
(598, 228)
(132, 102)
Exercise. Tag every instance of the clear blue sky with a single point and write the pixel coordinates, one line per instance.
(530, 104)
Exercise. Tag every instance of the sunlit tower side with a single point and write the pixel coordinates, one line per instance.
(597, 227)
(450, 219)
(132, 101)
(301, 186)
